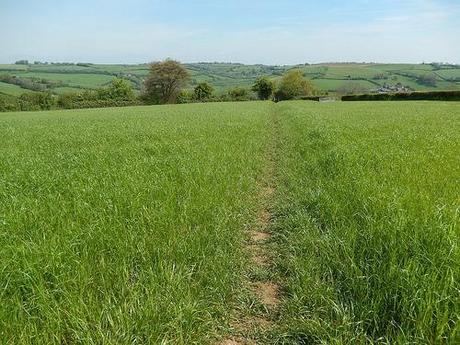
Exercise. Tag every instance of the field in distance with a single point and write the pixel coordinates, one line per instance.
(127, 225)
(344, 78)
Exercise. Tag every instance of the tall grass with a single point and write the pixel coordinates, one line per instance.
(124, 226)
(368, 223)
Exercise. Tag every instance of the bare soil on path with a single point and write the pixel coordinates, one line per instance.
(266, 292)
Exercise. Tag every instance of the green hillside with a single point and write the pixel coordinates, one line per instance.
(337, 77)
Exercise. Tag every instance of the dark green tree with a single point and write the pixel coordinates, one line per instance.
(203, 91)
(239, 94)
(264, 88)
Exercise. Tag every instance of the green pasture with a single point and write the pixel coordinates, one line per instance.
(127, 225)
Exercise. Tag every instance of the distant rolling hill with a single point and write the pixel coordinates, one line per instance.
(328, 77)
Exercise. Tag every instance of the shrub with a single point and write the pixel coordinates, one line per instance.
(186, 96)
(9, 103)
(37, 101)
(239, 94)
(203, 91)
(34, 84)
(93, 99)
(264, 88)
(292, 85)
(119, 89)
(118, 94)
(412, 96)
(67, 100)
(309, 98)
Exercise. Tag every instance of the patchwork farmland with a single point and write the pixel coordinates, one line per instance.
(332, 78)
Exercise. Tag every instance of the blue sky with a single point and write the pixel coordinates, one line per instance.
(250, 31)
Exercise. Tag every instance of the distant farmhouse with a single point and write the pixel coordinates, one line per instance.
(398, 88)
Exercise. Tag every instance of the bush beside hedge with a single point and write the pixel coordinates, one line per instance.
(94, 99)
(118, 94)
(9, 103)
(412, 96)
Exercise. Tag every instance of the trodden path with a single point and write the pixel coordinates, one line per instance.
(249, 324)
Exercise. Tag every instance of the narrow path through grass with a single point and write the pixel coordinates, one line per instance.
(253, 320)
(358, 222)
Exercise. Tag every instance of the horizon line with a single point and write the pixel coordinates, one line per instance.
(33, 62)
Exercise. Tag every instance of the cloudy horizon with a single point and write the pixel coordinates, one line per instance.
(265, 32)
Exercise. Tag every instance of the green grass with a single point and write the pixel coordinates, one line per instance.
(126, 225)
(61, 90)
(356, 71)
(449, 73)
(367, 223)
(122, 226)
(8, 67)
(90, 81)
(11, 89)
(332, 84)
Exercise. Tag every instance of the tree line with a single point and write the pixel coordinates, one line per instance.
(166, 84)
(168, 79)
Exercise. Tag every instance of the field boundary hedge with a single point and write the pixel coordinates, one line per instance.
(411, 96)
(308, 98)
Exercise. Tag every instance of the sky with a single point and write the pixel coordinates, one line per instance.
(247, 31)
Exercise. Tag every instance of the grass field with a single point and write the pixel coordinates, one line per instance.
(123, 225)
(84, 80)
(11, 89)
(367, 223)
(334, 84)
(127, 225)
